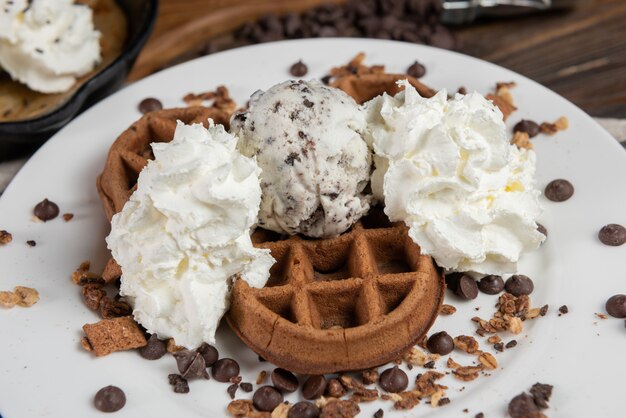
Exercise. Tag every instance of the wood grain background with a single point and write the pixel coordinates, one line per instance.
(580, 54)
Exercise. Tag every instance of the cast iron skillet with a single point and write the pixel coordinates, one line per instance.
(19, 136)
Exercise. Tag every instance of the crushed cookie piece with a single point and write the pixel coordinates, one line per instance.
(116, 334)
(84, 342)
(261, 377)
(5, 237)
(340, 409)
(447, 309)
(110, 308)
(466, 343)
(220, 98)
(521, 140)
(488, 360)
(92, 295)
(68, 217)
(425, 383)
(112, 271)
(560, 124)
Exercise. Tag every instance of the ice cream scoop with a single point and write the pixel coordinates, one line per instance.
(446, 168)
(184, 235)
(308, 140)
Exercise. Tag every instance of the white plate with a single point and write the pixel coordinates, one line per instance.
(45, 373)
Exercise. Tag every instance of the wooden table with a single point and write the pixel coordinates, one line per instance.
(580, 54)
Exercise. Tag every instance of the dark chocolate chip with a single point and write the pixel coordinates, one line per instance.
(511, 344)
(522, 406)
(284, 380)
(440, 343)
(109, 399)
(209, 353)
(528, 126)
(393, 380)
(462, 90)
(224, 369)
(379, 414)
(491, 285)
(559, 190)
(563, 309)
(232, 390)
(304, 409)
(467, 288)
(154, 350)
(541, 394)
(266, 398)
(191, 364)
(314, 387)
(616, 306)
(246, 387)
(479, 415)
(150, 104)
(31, 243)
(299, 69)
(180, 383)
(613, 235)
(518, 285)
(542, 229)
(416, 70)
(46, 210)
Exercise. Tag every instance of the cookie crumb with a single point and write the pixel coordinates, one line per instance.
(68, 217)
(5, 237)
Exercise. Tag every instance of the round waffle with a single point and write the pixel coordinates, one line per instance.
(347, 303)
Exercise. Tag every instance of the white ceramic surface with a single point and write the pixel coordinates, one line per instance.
(44, 372)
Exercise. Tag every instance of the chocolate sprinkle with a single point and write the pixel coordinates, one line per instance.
(109, 399)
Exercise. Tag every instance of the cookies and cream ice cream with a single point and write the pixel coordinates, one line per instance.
(447, 169)
(184, 235)
(47, 44)
(307, 139)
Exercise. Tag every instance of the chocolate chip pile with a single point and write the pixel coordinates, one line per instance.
(416, 21)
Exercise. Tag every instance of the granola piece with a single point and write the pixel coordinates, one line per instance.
(8, 299)
(447, 309)
(112, 271)
(335, 389)
(407, 400)
(466, 343)
(521, 140)
(27, 296)
(110, 308)
(92, 295)
(340, 409)
(515, 325)
(369, 376)
(5, 237)
(220, 98)
(560, 124)
(494, 339)
(68, 217)
(417, 357)
(116, 334)
(488, 360)
(281, 411)
(243, 408)
(467, 373)
(261, 377)
(425, 383)
(360, 392)
(452, 364)
(436, 398)
(82, 275)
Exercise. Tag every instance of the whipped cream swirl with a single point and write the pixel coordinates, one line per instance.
(47, 44)
(447, 169)
(184, 235)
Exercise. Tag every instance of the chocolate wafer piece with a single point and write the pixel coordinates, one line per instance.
(117, 334)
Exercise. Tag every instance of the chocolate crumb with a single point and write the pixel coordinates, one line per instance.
(499, 347)
(444, 401)
(544, 310)
(522, 406)
(232, 390)
(511, 344)
(563, 310)
(31, 243)
(541, 394)
(379, 414)
(180, 383)
(479, 415)
(246, 387)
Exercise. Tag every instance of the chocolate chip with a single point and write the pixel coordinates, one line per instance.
(46, 210)
(109, 399)
(563, 309)
(479, 415)
(518, 285)
(440, 343)
(379, 414)
(616, 306)
(522, 406)
(224, 369)
(528, 126)
(491, 285)
(284, 380)
(209, 353)
(541, 394)
(466, 287)
(304, 409)
(31, 243)
(154, 350)
(150, 104)
(416, 70)
(559, 190)
(462, 90)
(246, 387)
(542, 229)
(180, 383)
(393, 380)
(613, 235)
(511, 344)
(266, 398)
(232, 390)
(314, 387)
(191, 364)
(299, 69)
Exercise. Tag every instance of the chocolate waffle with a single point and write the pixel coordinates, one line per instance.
(347, 303)
(131, 151)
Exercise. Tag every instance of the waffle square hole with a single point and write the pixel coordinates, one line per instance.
(336, 307)
(376, 218)
(279, 303)
(330, 260)
(393, 291)
(280, 270)
(394, 255)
